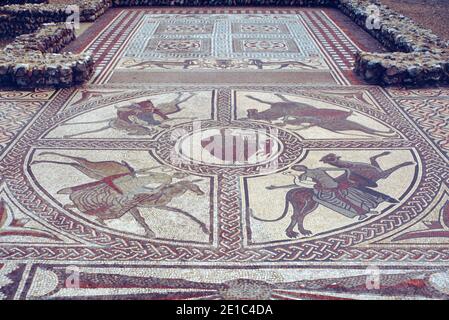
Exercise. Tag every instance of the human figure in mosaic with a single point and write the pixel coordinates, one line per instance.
(139, 118)
(339, 194)
(121, 189)
(349, 194)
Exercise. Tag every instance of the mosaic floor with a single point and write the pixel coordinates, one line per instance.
(224, 154)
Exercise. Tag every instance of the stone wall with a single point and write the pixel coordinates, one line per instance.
(27, 18)
(400, 68)
(10, 28)
(30, 60)
(31, 16)
(397, 32)
(90, 10)
(419, 57)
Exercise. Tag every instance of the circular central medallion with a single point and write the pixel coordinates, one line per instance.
(229, 146)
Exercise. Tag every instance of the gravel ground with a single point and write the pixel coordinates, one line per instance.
(62, 1)
(431, 14)
(5, 42)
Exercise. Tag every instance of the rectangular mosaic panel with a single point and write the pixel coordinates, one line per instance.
(268, 36)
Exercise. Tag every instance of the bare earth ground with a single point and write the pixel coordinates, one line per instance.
(431, 14)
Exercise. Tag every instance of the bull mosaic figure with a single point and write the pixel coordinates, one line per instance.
(305, 116)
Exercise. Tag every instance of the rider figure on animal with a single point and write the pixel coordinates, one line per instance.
(351, 193)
